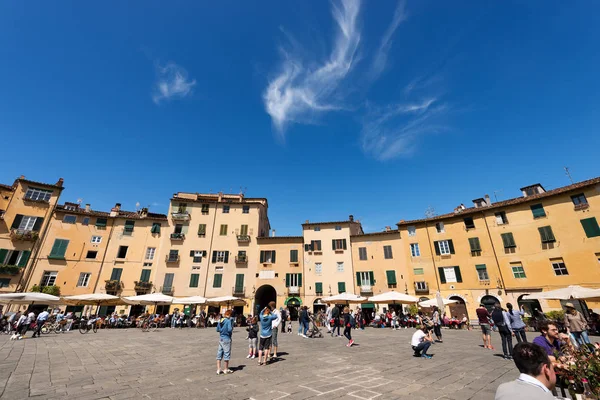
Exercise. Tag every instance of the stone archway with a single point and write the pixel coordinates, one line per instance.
(264, 295)
(458, 309)
(489, 301)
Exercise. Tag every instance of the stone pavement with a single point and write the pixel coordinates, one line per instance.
(180, 364)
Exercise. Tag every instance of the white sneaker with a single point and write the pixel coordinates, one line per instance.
(253, 356)
(248, 356)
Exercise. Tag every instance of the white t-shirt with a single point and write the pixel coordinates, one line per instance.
(275, 323)
(417, 338)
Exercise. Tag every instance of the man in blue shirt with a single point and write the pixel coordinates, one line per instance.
(225, 329)
(548, 340)
(41, 320)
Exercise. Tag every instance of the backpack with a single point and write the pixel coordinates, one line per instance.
(352, 321)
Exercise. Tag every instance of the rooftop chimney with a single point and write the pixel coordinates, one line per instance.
(22, 177)
(88, 208)
(144, 212)
(488, 201)
(388, 228)
(272, 232)
(220, 196)
(115, 210)
(306, 222)
(351, 218)
(532, 190)
(60, 182)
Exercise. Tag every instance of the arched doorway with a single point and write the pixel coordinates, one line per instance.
(458, 309)
(318, 305)
(489, 302)
(529, 306)
(293, 305)
(264, 295)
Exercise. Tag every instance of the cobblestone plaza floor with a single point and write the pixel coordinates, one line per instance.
(180, 364)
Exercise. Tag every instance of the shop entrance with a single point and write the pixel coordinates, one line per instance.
(459, 309)
(264, 295)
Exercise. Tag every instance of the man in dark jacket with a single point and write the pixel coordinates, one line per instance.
(335, 315)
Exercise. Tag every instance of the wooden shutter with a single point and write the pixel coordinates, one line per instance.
(590, 226)
(372, 277)
(358, 280)
(318, 287)
(458, 275)
(24, 258)
(437, 248)
(145, 276)
(17, 221)
(218, 280)
(451, 246)
(59, 248)
(273, 256)
(299, 280)
(508, 240)
(192, 253)
(546, 234)
(442, 275)
(474, 244)
(239, 282)
(262, 256)
(287, 280)
(3, 253)
(202, 229)
(244, 230)
(129, 225)
(293, 256)
(538, 211)
(194, 278)
(214, 256)
(307, 247)
(116, 274)
(226, 259)
(38, 224)
(101, 222)
(344, 244)
(333, 244)
(391, 277)
(155, 227)
(341, 287)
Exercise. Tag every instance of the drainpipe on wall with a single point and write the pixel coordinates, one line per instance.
(112, 227)
(494, 250)
(437, 279)
(209, 254)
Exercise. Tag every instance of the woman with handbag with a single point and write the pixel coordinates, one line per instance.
(516, 323)
(500, 318)
(576, 324)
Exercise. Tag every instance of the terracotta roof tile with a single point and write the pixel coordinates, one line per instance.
(391, 232)
(103, 214)
(40, 183)
(280, 237)
(509, 202)
(330, 223)
(6, 187)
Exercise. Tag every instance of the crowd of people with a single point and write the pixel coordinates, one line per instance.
(17, 324)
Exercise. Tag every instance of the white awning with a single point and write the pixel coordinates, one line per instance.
(28, 298)
(571, 292)
(393, 297)
(149, 299)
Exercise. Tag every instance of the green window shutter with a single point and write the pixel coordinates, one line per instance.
(129, 224)
(299, 280)
(358, 280)
(3, 253)
(451, 246)
(194, 278)
(287, 280)
(508, 240)
(244, 230)
(38, 224)
(214, 256)
(226, 259)
(391, 277)
(333, 244)
(262, 256)
(155, 227)
(59, 248)
(344, 244)
(538, 211)
(341, 287)
(116, 274)
(437, 248)
(202, 229)
(372, 277)
(145, 277)
(458, 275)
(218, 280)
(239, 282)
(481, 267)
(24, 258)
(474, 244)
(16, 221)
(101, 222)
(319, 287)
(293, 256)
(273, 260)
(590, 226)
(546, 234)
(442, 275)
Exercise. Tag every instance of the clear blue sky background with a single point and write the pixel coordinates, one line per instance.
(419, 104)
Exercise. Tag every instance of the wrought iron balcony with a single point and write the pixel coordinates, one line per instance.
(25, 235)
(238, 291)
(366, 289)
(168, 290)
(243, 238)
(180, 215)
(241, 259)
(172, 259)
(113, 285)
(143, 286)
(177, 236)
(294, 290)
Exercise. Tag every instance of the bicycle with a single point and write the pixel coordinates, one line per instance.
(86, 326)
(60, 327)
(48, 327)
(147, 326)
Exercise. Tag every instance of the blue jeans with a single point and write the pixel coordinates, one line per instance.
(581, 337)
(421, 348)
(304, 327)
(224, 350)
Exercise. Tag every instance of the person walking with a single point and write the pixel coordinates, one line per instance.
(275, 325)
(305, 319)
(437, 324)
(329, 317)
(500, 318)
(348, 326)
(284, 315)
(252, 337)
(420, 342)
(576, 324)
(335, 316)
(266, 331)
(41, 320)
(225, 329)
(484, 317)
(516, 323)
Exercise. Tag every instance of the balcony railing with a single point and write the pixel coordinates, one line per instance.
(294, 290)
(113, 285)
(20, 234)
(143, 286)
(241, 259)
(366, 289)
(238, 291)
(422, 288)
(172, 259)
(243, 238)
(181, 216)
(582, 206)
(177, 236)
(168, 290)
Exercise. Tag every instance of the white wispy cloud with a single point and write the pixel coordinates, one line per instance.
(172, 82)
(394, 131)
(299, 92)
(381, 56)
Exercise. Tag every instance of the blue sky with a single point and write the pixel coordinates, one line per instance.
(326, 108)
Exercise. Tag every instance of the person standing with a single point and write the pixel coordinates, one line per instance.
(348, 327)
(225, 329)
(41, 320)
(266, 331)
(576, 324)
(275, 325)
(335, 316)
(420, 342)
(329, 317)
(516, 323)
(304, 321)
(437, 324)
(484, 317)
(284, 315)
(252, 337)
(500, 319)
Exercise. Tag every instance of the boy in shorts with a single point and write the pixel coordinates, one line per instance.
(225, 329)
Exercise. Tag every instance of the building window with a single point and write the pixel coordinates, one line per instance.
(96, 239)
(444, 247)
(590, 227)
(223, 230)
(450, 275)
(559, 267)
(469, 223)
(415, 251)
(49, 278)
(122, 251)
(198, 254)
(101, 222)
(501, 218)
(340, 267)
(391, 279)
(220, 256)
(218, 280)
(145, 276)
(205, 208)
(420, 286)
(27, 223)
(202, 230)
(70, 219)
(128, 230)
(38, 194)
(538, 211)
(91, 255)
(244, 230)
(267, 256)
(518, 271)
(147, 264)
(194, 279)
(418, 271)
(318, 268)
(387, 252)
(341, 287)
(362, 253)
(315, 245)
(4, 282)
(84, 279)
(85, 221)
(59, 248)
(319, 287)
(412, 231)
(155, 227)
(173, 255)
(547, 237)
(579, 201)
(245, 209)
(338, 228)
(317, 228)
(508, 241)
(293, 256)
(475, 247)
(482, 273)
(150, 252)
(225, 209)
(293, 280)
(338, 244)
(439, 227)
(365, 278)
